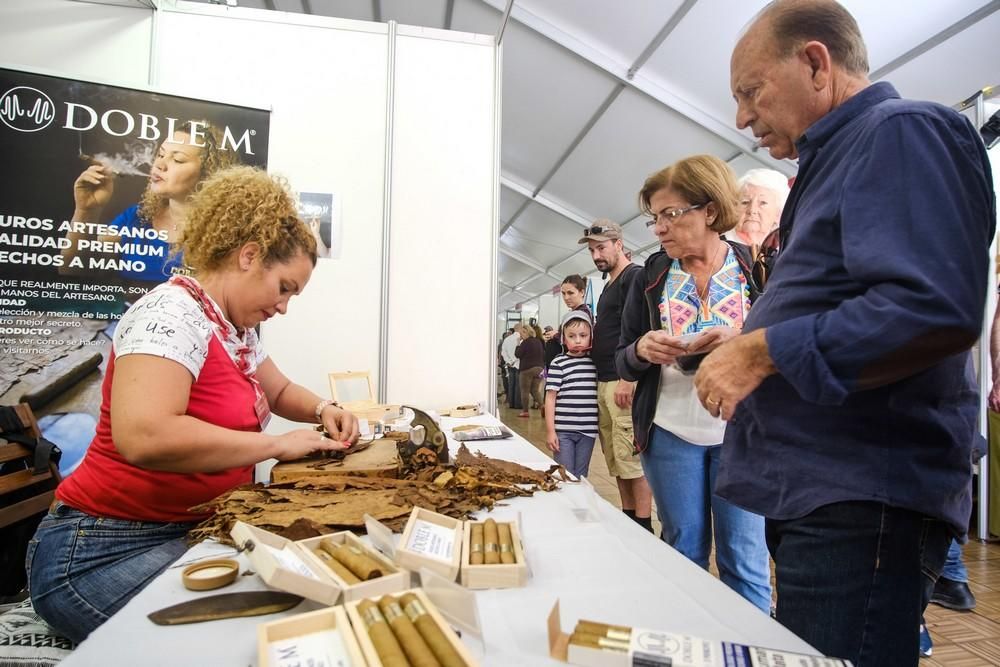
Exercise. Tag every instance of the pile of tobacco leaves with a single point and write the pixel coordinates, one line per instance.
(317, 505)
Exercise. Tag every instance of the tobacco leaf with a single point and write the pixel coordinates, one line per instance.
(316, 505)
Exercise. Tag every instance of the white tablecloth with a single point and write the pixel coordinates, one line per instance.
(606, 570)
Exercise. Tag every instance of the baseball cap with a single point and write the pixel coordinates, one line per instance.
(602, 230)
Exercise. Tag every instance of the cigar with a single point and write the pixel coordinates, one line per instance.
(595, 641)
(337, 568)
(491, 539)
(616, 632)
(414, 646)
(363, 566)
(429, 630)
(390, 653)
(506, 544)
(476, 545)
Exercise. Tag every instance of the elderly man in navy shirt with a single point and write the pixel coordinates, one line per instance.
(850, 397)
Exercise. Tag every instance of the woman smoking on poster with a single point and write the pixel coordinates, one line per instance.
(187, 392)
(184, 159)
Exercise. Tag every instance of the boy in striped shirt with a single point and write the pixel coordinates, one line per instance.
(571, 396)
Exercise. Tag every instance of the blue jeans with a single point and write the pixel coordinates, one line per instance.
(954, 568)
(682, 476)
(853, 579)
(82, 569)
(575, 450)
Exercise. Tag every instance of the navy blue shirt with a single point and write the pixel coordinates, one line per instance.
(872, 305)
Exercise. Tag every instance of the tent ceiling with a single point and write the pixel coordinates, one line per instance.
(597, 95)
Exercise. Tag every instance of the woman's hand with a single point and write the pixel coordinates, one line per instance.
(711, 339)
(340, 424)
(301, 442)
(94, 187)
(552, 441)
(659, 347)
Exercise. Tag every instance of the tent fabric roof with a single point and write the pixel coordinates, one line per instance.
(597, 95)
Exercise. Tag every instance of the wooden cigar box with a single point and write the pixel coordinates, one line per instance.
(365, 642)
(499, 575)
(293, 567)
(316, 637)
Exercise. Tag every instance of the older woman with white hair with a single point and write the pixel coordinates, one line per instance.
(763, 193)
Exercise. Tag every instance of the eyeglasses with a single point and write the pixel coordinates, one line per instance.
(672, 215)
(764, 260)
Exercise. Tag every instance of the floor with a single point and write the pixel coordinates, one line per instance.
(961, 639)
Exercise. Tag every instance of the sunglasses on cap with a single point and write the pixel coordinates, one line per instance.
(599, 230)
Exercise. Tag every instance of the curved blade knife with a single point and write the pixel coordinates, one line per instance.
(226, 605)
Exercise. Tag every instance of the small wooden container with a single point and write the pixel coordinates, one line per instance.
(300, 625)
(368, 649)
(293, 567)
(433, 541)
(499, 575)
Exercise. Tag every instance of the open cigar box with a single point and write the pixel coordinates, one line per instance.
(443, 545)
(323, 637)
(361, 631)
(594, 644)
(295, 568)
(494, 575)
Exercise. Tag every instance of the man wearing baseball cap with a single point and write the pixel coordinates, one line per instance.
(614, 395)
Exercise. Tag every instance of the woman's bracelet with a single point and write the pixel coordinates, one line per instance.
(322, 405)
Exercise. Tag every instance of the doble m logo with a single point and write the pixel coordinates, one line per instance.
(26, 109)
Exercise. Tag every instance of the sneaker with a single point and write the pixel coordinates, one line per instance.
(926, 645)
(953, 594)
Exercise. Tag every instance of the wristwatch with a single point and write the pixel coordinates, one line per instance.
(322, 405)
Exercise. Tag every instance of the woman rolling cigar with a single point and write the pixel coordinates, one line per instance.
(184, 159)
(186, 395)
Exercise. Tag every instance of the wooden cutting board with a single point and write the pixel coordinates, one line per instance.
(378, 460)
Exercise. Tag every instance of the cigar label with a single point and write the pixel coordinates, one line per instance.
(371, 616)
(414, 609)
(492, 547)
(476, 548)
(505, 548)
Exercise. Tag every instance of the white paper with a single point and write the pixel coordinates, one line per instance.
(290, 561)
(316, 649)
(431, 540)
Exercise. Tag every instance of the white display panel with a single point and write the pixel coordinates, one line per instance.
(442, 211)
(325, 80)
(78, 40)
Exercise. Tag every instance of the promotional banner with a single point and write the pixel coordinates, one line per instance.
(94, 183)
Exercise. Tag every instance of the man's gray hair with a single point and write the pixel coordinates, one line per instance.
(795, 22)
(769, 179)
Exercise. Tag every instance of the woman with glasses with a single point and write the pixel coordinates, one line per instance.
(694, 295)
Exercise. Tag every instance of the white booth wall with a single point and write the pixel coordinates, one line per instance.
(345, 114)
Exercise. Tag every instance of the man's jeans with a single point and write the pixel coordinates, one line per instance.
(853, 579)
(954, 568)
(82, 569)
(682, 476)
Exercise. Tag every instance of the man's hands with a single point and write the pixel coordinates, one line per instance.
(731, 372)
(624, 391)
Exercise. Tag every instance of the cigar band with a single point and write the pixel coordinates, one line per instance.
(356, 551)
(414, 609)
(372, 615)
(392, 612)
(505, 548)
(476, 548)
(492, 547)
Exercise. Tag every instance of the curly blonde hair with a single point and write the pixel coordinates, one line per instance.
(243, 205)
(213, 158)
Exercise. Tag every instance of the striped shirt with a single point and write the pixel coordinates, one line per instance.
(574, 379)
